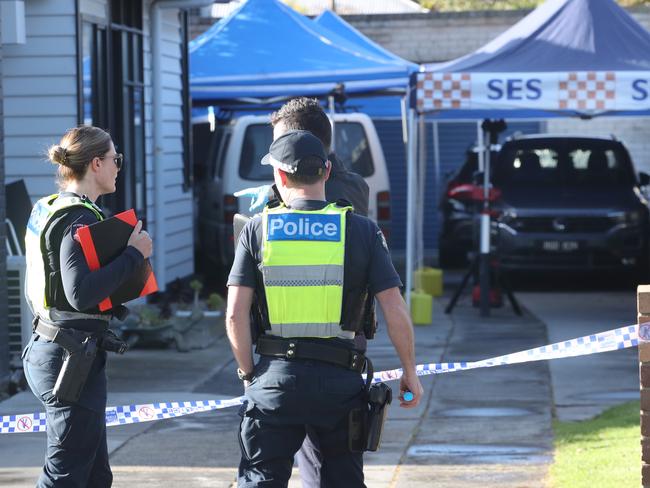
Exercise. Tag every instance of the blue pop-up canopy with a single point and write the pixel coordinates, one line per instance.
(587, 57)
(336, 24)
(567, 57)
(266, 51)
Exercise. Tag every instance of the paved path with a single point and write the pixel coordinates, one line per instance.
(585, 386)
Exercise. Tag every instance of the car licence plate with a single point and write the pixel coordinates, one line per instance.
(559, 246)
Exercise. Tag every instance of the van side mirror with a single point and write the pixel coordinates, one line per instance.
(644, 178)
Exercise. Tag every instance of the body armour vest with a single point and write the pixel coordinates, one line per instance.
(303, 255)
(38, 273)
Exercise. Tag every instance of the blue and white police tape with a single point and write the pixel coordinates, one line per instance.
(611, 340)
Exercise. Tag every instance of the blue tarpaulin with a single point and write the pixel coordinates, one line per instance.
(266, 51)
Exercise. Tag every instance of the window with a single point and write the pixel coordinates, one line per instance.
(257, 139)
(351, 147)
(563, 162)
(112, 95)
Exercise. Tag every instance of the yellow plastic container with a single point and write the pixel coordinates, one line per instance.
(429, 280)
(421, 307)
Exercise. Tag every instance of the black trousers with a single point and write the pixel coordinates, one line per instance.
(286, 399)
(77, 454)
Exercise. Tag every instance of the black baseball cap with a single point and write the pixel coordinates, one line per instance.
(288, 150)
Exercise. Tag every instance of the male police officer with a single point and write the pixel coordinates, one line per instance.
(307, 114)
(310, 264)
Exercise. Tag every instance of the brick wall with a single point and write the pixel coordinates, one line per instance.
(643, 309)
(434, 37)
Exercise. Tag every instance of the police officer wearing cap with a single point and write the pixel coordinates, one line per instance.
(308, 263)
(65, 360)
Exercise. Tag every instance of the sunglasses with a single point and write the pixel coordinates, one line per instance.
(118, 159)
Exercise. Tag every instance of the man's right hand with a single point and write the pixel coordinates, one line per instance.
(410, 382)
(141, 240)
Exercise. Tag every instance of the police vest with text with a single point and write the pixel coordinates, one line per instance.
(303, 256)
(43, 286)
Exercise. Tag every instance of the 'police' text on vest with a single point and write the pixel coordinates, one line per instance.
(304, 227)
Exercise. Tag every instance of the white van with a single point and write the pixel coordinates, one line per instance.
(228, 159)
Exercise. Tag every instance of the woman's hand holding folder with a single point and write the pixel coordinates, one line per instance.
(141, 240)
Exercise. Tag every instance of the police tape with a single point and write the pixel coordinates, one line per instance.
(611, 340)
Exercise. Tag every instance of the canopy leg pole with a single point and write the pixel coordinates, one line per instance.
(332, 111)
(422, 176)
(405, 137)
(410, 208)
(437, 184)
(484, 264)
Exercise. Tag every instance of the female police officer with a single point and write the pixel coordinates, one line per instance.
(64, 296)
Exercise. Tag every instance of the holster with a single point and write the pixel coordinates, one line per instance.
(379, 397)
(366, 424)
(74, 372)
(80, 351)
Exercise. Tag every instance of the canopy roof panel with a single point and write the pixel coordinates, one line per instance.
(571, 57)
(265, 49)
(336, 24)
(563, 35)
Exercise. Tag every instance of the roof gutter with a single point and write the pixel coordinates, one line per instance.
(160, 258)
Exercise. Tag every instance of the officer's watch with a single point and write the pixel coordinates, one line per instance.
(244, 376)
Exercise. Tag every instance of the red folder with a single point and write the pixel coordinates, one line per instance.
(106, 240)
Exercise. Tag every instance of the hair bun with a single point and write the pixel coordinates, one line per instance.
(58, 154)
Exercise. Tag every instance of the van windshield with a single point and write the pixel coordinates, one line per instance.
(352, 149)
(257, 139)
(554, 163)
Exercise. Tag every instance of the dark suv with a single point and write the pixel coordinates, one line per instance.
(566, 203)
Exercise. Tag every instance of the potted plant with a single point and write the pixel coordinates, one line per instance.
(214, 305)
(146, 326)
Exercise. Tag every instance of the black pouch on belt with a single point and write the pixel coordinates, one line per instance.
(74, 372)
(379, 397)
(366, 424)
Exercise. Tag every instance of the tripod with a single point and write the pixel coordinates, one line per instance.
(482, 263)
(500, 280)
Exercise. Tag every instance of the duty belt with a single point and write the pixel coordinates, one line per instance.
(69, 339)
(301, 349)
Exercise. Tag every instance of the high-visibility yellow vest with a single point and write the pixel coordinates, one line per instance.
(36, 254)
(303, 254)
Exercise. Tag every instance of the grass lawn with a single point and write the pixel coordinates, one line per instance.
(603, 452)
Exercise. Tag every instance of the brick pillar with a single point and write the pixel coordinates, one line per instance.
(643, 310)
